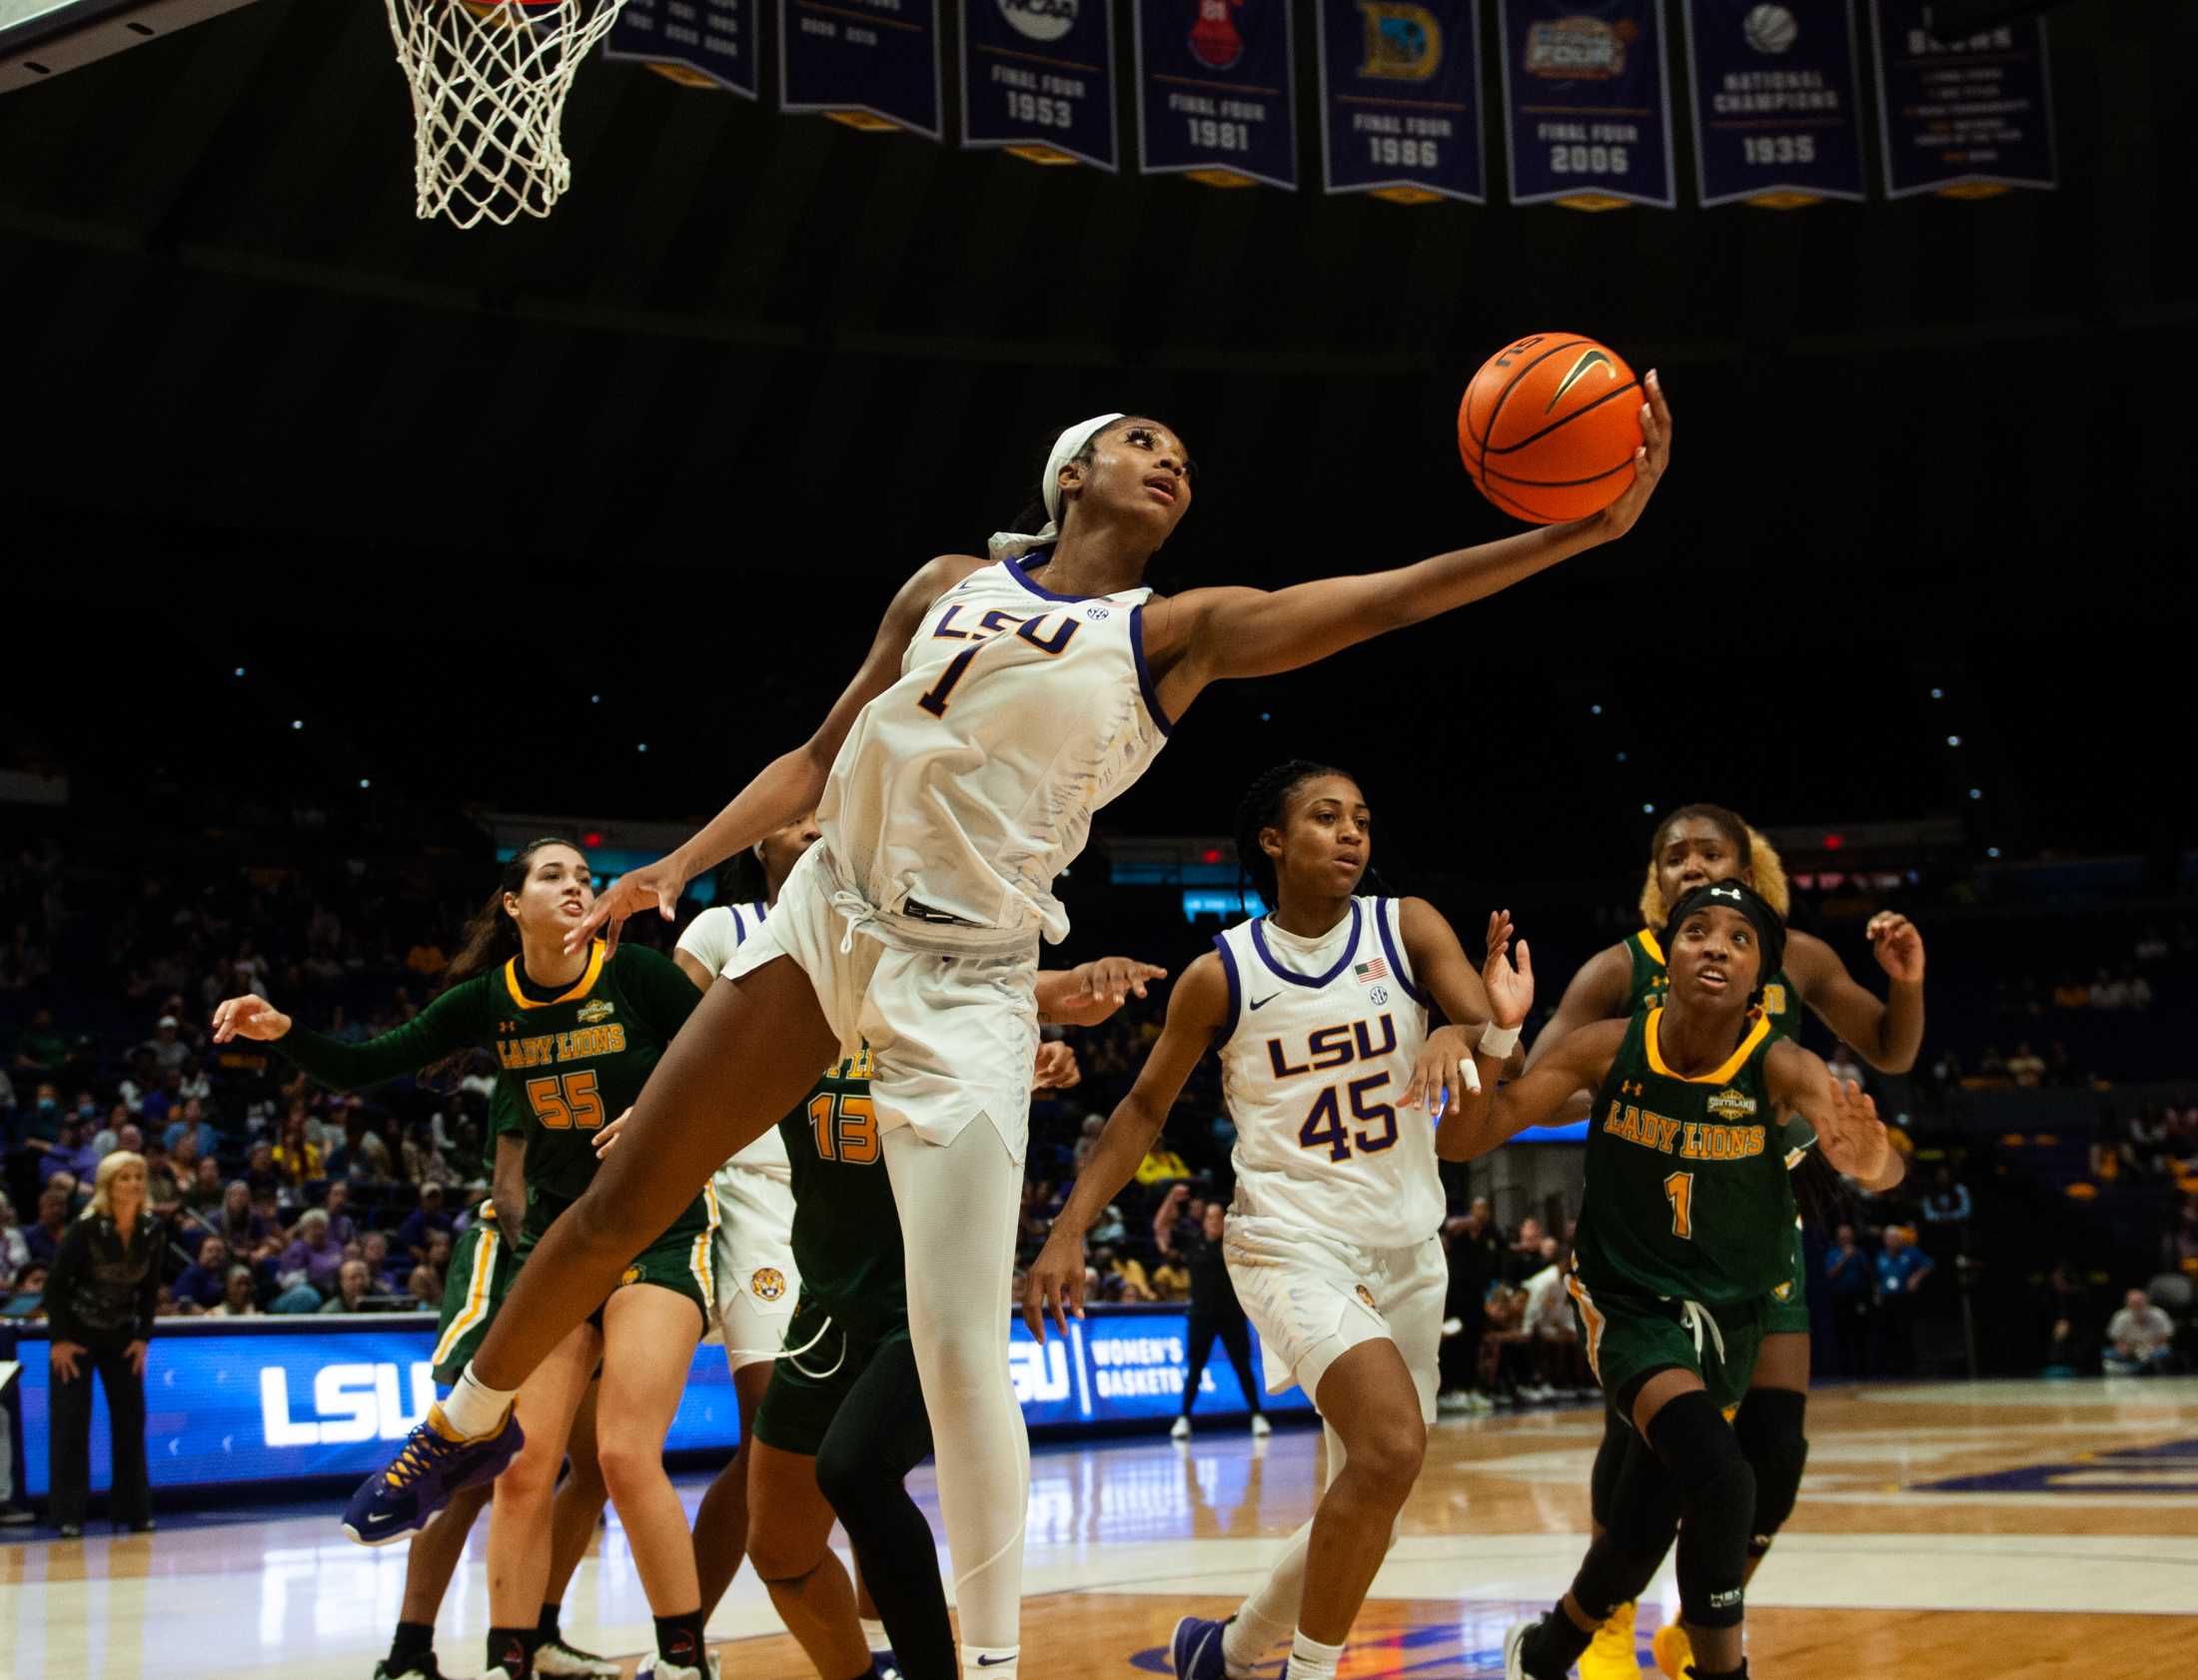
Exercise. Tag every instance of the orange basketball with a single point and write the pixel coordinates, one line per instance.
(1548, 427)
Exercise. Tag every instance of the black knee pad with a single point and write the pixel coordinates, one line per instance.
(1618, 1435)
(1770, 1431)
(1717, 1493)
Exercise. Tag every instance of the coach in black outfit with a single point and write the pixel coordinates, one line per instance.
(100, 1298)
(1215, 1310)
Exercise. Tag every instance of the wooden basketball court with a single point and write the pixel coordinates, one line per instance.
(1989, 1530)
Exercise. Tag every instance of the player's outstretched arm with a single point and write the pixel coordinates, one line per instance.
(1849, 1132)
(1206, 635)
(1087, 994)
(1886, 1033)
(1197, 1011)
(789, 784)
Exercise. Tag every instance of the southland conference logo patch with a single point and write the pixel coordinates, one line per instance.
(1730, 1105)
(594, 1010)
(768, 1284)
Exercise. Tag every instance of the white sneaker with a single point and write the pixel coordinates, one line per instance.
(560, 1661)
(662, 1670)
(1515, 1664)
(1181, 1431)
(1260, 1427)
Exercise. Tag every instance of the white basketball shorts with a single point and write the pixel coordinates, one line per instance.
(752, 1267)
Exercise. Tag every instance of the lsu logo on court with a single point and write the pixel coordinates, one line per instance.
(1577, 48)
(768, 1284)
(594, 1010)
(1731, 1105)
(1403, 43)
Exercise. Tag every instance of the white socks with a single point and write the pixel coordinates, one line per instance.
(873, 1634)
(990, 1662)
(1311, 1660)
(474, 1409)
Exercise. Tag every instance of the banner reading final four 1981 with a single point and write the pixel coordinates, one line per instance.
(1215, 95)
(1964, 117)
(1587, 103)
(1401, 99)
(709, 43)
(1775, 109)
(1038, 79)
(872, 63)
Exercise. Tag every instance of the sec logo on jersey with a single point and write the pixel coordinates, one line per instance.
(768, 1284)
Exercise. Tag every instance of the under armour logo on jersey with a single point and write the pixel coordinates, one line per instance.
(1630, 1088)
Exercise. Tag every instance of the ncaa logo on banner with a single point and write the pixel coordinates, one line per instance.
(1403, 43)
(1041, 20)
(1579, 49)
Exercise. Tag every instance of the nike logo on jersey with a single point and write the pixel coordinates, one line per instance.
(1262, 1003)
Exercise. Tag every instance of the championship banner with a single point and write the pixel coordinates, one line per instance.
(696, 43)
(1214, 91)
(1774, 88)
(1587, 102)
(871, 64)
(1401, 99)
(1038, 80)
(1967, 118)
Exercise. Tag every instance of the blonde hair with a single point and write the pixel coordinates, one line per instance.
(111, 1167)
(1765, 872)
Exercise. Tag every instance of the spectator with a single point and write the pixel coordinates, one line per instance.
(423, 1221)
(343, 1230)
(1119, 1279)
(238, 1296)
(313, 1259)
(162, 1193)
(1901, 1270)
(438, 1253)
(374, 1249)
(15, 1249)
(43, 1239)
(28, 1300)
(39, 1049)
(425, 1164)
(1522, 1257)
(203, 1195)
(1848, 1283)
(1476, 1259)
(1948, 1202)
(1215, 1311)
(1109, 1226)
(259, 1174)
(190, 1123)
(2025, 1067)
(2137, 1338)
(249, 1236)
(200, 1286)
(426, 1289)
(194, 1086)
(2108, 991)
(100, 1298)
(354, 1284)
(70, 1152)
(167, 1046)
(1161, 1165)
(296, 1159)
(105, 1138)
(164, 1102)
(1847, 1067)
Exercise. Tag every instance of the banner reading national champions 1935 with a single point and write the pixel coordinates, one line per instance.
(1971, 115)
(1215, 98)
(712, 41)
(1038, 79)
(1587, 103)
(863, 58)
(1774, 88)
(1400, 87)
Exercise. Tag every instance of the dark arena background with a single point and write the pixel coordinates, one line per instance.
(345, 550)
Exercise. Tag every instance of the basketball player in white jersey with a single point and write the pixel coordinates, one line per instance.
(1319, 1012)
(1001, 703)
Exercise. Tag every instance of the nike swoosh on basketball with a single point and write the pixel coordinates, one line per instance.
(1264, 1001)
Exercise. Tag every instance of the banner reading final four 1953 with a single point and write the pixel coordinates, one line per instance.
(1215, 94)
(1038, 79)
(875, 63)
(701, 42)
(1401, 99)
(1587, 103)
(1775, 109)
(1964, 117)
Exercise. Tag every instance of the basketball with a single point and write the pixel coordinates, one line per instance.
(1771, 29)
(1549, 427)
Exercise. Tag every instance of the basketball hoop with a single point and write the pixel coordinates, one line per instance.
(489, 81)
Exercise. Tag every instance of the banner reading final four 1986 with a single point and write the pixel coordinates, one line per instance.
(1773, 86)
(1215, 96)
(1586, 103)
(1964, 117)
(1401, 97)
(711, 42)
(1038, 79)
(861, 59)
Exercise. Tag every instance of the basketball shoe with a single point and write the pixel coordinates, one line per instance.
(1610, 1654)
(1195, 1652)
(420, 1668)
(1673, 1650)
(555, 1658)
(657, 1668)
(434, 1463)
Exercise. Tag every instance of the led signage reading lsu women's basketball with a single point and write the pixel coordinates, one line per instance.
(1965, 118)
(698, 43)
(1401, 99)
(1038, 79)
(1773, 90)
(1215, 98)
(867, 62)
(1587, 103)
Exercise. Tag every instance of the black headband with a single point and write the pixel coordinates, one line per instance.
(1769, 928)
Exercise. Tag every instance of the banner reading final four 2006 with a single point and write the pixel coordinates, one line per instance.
(1214, 91)
(872, 62)
(1401, 97)
(1038, 79)
(701, 42)
(1773, 86)
(1586, 103)
(1962, 117)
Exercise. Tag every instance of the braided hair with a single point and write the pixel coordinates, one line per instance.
(1266, 804)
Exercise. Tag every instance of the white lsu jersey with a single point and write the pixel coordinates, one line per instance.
(711, 939)
(1314, 1062)
(971, 784)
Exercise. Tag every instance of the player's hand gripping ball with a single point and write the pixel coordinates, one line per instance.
(1549, 425)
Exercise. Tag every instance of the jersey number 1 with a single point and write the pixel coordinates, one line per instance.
(933, 699)
(1678, 1189)
(562, 1103)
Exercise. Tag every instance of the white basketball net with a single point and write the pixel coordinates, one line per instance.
(489, 80)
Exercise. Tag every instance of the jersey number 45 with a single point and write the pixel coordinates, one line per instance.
(1324, 1126)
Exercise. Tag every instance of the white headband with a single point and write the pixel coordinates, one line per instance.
(1008, 545)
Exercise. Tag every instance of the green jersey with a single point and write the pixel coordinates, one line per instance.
(568, 1064)
(846, 1230)
(1650, 984)
(1687, 1194)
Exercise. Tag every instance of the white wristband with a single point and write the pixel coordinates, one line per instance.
(1497, 1042)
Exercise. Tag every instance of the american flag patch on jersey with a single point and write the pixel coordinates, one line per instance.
(1368, 973)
